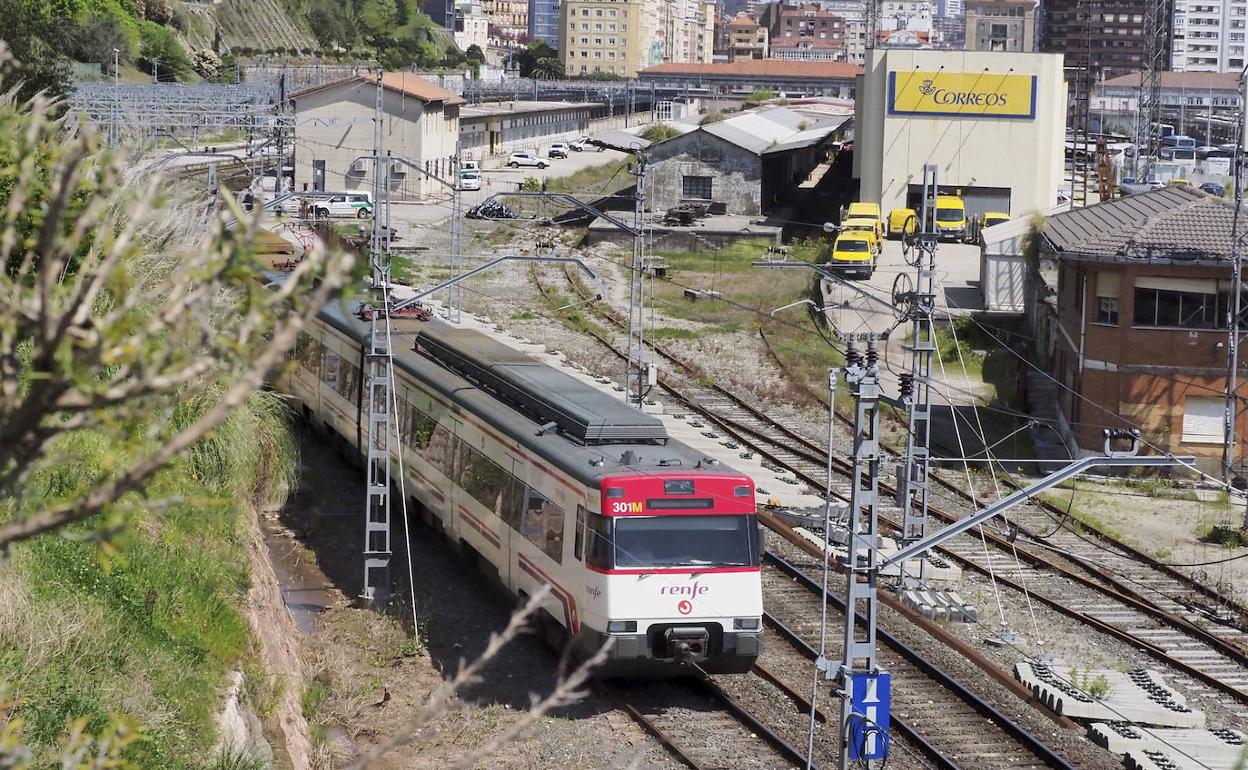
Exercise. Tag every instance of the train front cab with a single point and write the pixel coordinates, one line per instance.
(672, 575)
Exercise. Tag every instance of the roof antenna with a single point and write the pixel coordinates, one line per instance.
(547, 427)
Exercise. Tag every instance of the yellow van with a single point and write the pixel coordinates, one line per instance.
(859, 210)
(864, 225)
(897, 219)
(854, 253)
(951, 218)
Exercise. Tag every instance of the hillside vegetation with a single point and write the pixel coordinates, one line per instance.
(261, 25)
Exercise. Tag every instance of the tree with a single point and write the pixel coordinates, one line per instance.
(546, 69)
(161, 53)
(106, 329)
(159, 11)
(97, 32)
(36, 36)
(528, 57)
(760, 95)
(474, 53)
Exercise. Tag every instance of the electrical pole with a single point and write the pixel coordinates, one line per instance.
(635, 373)
(864, 720)
(455, 297)
(113, 137)
(920, 303)
(379, 368)
(1231, 405)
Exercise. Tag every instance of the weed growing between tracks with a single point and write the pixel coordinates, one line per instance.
(142, 627)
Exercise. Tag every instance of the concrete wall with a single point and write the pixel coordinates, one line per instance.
(1023, 154)
(736, 173)
(336, 126)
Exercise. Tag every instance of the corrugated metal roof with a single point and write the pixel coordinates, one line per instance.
(762, 68)
(1172, 222)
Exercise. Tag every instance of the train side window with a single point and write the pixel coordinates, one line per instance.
(330, 373)
(349, 385)
(485, 480)
(513, 503)
(578, 543)
(542, 524)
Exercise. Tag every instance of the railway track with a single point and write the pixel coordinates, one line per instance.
(704, 727)
(1127, 568)
(956, 727)
(1176, 639)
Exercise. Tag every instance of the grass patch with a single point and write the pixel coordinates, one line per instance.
(672, 333)
(523, 315)
(141, 627)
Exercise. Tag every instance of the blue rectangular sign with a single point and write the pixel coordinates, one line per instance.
(869, 724)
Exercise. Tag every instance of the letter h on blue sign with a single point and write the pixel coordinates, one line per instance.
(869, 724)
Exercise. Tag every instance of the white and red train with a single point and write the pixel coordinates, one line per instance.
(551, 481)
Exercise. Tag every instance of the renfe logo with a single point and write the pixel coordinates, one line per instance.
(623, 507)
(594, 591)
(697, 589)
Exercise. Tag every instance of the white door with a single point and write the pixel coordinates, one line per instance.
(1203, 420)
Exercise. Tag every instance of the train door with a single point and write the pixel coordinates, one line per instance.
(452, 465)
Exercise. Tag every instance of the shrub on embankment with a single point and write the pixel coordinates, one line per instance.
(140, 626)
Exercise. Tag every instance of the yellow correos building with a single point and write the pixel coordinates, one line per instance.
(993, 123)
(602, 36)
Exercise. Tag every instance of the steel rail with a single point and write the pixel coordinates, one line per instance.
(901, 723)
(1029, 741)
(817, 455)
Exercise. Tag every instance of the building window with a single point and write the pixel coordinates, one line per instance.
(1176, 309)
(1204, 420)
(1107, 293)
(696, 187)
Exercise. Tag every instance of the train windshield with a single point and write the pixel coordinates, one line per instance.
(686, 541)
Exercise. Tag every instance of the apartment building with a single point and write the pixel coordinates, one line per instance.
(1208, 35)
(606, 36)
(747, 39)
(472, 26)
(1001, 25)
(509, 18)
(544, 21)
(1115, 34)
(807, 32)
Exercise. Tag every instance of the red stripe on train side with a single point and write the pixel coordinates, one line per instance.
(479, 526)
(565, 598)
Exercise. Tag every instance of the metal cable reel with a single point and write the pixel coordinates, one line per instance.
(910, 241)
(903, 295)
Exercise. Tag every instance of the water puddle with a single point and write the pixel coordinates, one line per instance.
(306, 591)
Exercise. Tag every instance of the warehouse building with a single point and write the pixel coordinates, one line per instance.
(334, 134)
(742, 166)
(993, 123)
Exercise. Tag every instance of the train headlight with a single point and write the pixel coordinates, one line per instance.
(745, 624)
(621, 626)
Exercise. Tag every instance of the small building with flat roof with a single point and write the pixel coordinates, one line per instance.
(501, 127)
(791, 78)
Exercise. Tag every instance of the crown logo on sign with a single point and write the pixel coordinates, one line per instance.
(926, 88)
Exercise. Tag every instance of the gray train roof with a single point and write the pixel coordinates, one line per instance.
(542, 392)
(555, 447)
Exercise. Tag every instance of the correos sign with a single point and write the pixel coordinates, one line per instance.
(964, 94)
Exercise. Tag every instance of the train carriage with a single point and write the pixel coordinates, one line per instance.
(548, 480)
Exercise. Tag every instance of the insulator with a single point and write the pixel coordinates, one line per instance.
(873, 353)
(852, 355)
(906, 384)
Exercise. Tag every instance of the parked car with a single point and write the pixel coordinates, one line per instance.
(470, 179)
(557, 150)
(523, 158)
(583, 144)
(357, 205)
(899, 222)
(986, 220)
(1213, 188)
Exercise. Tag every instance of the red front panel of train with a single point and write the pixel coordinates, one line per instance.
(675, 494)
